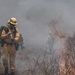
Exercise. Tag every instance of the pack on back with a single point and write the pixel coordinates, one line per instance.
(1, 29)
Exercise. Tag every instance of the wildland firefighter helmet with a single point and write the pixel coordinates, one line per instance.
(13, 21)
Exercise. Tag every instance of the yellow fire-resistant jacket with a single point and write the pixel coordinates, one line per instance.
(8, 38)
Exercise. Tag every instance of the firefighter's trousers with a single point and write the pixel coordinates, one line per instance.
(8, 56)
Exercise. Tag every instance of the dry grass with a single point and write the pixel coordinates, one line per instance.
(29, 62)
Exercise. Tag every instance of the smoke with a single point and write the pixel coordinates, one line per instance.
(34, 17)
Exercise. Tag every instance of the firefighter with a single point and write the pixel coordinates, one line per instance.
(10, 35)
(50, 42)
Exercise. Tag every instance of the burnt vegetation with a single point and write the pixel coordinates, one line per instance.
(31, 62)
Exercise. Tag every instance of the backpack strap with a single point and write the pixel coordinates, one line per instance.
(6, 29)
(14, 32)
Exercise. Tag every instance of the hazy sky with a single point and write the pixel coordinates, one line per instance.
(34, 17)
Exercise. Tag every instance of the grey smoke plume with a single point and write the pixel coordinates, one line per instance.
(34, 17)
